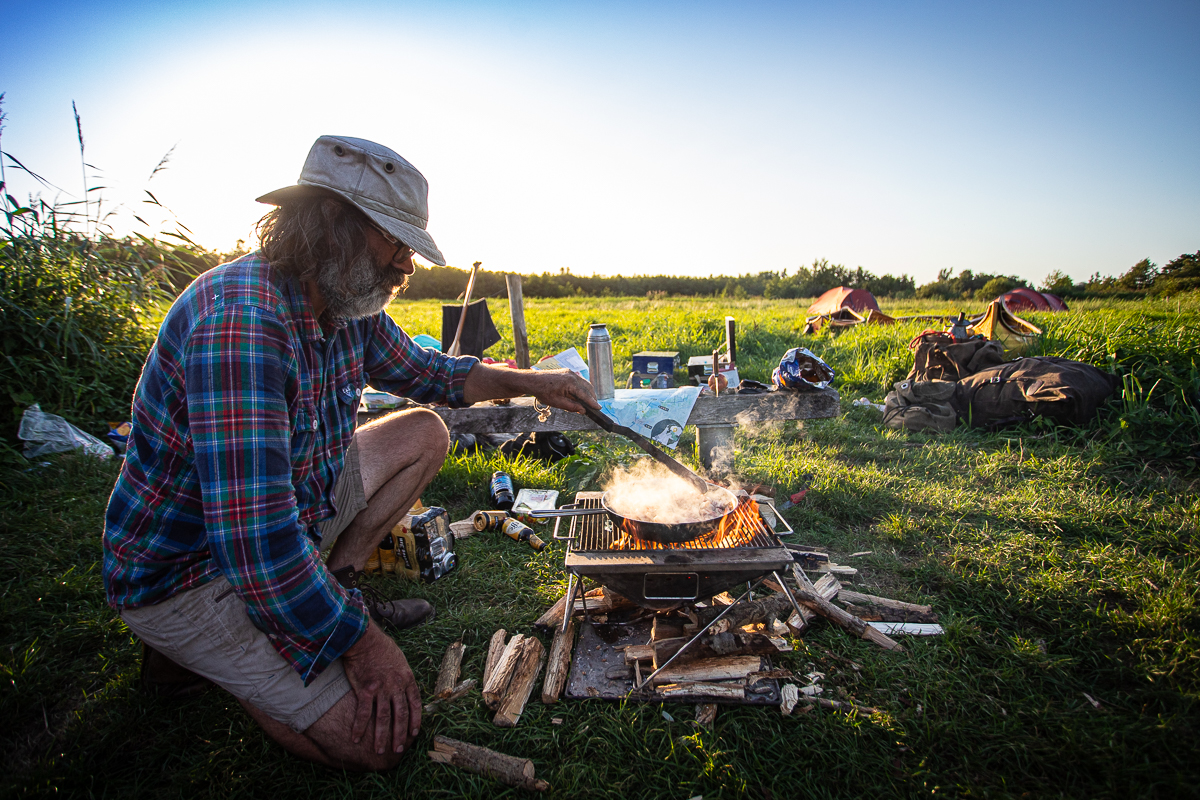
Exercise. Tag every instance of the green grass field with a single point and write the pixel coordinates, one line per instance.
(1063, 562)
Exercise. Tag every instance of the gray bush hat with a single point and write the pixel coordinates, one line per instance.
(377, 181)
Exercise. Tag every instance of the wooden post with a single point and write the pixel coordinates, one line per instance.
(516, 307)
(518, 772)
(448, 673)
(521, 685)
(455, 346)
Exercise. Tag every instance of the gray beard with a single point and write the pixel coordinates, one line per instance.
(359, 289)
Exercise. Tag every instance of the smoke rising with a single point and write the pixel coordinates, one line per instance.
(649, 491)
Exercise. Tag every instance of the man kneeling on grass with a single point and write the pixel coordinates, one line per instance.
(248, 503)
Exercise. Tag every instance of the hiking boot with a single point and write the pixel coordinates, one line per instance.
(161, 677)
(396, 614)
(401, 614)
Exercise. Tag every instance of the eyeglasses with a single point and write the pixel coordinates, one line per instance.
(393, 241)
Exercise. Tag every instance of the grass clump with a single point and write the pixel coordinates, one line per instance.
(72, 315)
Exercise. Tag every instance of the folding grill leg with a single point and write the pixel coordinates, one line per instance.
(569, 610)
(699, 633)
(789, 594)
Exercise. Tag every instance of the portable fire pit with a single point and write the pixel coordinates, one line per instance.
(659, 577)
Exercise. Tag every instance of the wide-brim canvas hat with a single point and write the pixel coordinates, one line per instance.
(376, 181)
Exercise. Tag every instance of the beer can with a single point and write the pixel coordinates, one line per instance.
(501, 491)
(600, 362)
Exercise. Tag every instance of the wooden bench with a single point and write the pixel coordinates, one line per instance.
(714, 417)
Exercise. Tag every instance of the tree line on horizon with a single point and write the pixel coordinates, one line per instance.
(1144, 278)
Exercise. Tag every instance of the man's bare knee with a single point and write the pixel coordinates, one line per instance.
(331, 733)
(431, 430)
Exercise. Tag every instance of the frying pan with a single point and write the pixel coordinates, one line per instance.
(661, 532)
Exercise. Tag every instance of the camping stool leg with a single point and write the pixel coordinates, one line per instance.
(716, 447)
(699, 633)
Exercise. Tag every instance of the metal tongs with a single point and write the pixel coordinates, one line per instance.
(607, 424)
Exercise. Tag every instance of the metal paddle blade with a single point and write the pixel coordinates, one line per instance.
(609, 425)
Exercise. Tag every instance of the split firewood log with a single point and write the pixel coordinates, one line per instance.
(495, 650)
(497, 682)
(512, 705)
(710, 669)
(448, 673)
(722, 691)
(558, 663)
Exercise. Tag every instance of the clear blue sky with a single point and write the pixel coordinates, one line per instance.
(680, 138)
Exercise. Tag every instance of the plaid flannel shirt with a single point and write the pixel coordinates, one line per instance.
(241, 420)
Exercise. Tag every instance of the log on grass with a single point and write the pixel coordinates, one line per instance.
(837, 705)
(512, 705)
(554, 615)
(853, 625)
(710, 669)
(458, 691)
(495, 650)
(448, 673)
(509, 770)
(558, 663)
(497, 683)
(885, 614)
(870, 599)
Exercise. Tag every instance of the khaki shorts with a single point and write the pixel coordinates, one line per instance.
(206, 629)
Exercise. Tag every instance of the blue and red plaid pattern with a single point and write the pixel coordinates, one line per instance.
(241, 420)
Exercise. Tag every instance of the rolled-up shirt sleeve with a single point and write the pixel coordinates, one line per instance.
(397, 364)
(242, 430)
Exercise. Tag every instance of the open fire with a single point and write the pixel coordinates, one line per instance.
(737, 529)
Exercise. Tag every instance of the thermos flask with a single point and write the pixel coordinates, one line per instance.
(600, 362)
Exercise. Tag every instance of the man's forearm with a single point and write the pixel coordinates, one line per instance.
(559, 388)
(485, 382)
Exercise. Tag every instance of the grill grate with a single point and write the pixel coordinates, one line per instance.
(596, 533)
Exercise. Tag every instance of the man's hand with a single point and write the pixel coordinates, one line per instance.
(560, 388)
(563, 389)
(382, 683)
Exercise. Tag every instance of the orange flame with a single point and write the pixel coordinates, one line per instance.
(736, 529)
